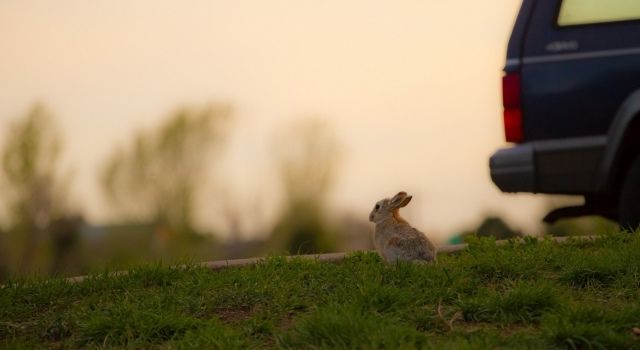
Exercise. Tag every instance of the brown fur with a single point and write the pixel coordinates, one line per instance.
(394, 238)
(397, 217)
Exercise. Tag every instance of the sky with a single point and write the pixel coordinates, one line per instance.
(411, 87)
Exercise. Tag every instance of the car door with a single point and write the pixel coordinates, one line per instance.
(580, 60)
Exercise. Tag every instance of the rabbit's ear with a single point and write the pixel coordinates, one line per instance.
(405, 201)
(400, 200)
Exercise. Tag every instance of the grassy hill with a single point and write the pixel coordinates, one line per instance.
(538, 294)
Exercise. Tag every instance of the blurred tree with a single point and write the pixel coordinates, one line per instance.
(580, 226)
(306, 156)
(65, 235)
(4, 262)
(156, 178)
(494, 226)
(35, 190)
(357, 233)
(490, 226)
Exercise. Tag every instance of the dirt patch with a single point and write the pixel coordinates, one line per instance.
(515, 328)
(229, 315)
(287, 321)
(505, 331)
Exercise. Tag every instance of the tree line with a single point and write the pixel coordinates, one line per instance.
(152, 182)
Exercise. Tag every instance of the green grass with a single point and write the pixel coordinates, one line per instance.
(538, 295)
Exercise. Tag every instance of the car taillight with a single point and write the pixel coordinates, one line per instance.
(512, 107)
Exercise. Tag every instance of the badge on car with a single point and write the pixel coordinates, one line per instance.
(560, 46)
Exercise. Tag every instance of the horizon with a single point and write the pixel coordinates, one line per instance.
(411, 89)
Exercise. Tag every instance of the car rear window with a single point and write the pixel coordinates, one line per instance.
(580, 12)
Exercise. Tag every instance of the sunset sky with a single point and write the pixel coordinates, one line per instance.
(412, 89)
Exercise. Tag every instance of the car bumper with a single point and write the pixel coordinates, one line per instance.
(568, 166)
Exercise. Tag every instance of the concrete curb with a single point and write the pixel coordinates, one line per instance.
(329, 258)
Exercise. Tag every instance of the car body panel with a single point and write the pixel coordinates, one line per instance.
(580, 88)
(575, 78)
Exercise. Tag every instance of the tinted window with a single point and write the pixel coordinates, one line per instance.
(576, 12)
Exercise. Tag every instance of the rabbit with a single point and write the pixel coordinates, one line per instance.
(394, 238)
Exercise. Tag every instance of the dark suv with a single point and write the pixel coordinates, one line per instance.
(571, 94)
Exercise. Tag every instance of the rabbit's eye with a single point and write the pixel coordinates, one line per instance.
(377, 207)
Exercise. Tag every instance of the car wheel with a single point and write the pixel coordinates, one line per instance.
(629, 200)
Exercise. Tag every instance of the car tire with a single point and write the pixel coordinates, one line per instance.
(629, 199)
